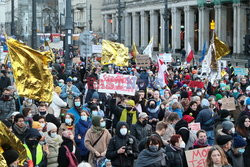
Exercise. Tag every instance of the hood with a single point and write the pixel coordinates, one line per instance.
(33, 133)
(118, 127)
(181, 123)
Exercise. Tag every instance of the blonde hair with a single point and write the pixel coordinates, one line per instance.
(223, 156)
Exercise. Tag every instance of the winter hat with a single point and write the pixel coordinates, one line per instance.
(96, 120)
(248, 101)
(131, 103)
(36, 125)
(224, 113)
(33, 133)
(188, 118)
(187, 77)
(10, 156)
(143, 115)
(205, 103)
(67, 134)
(95, 95)
(184, 94)
(223, 139)
(238, 141)
(69, 80)
(51, 126)
(248, 88)
(227, 125)
(218, 97)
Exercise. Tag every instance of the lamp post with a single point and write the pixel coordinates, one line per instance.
(119, 21)
(90, 18)
(166, 25)
(34, 26)
(12, 18)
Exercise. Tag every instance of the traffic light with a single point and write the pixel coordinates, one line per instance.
(247, 45)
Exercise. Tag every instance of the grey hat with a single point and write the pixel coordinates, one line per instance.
(227, 125)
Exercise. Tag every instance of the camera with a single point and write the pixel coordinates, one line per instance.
(129, 146)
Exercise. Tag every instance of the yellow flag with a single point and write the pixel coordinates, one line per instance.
(221, 49)
(134, 52)
(114, 53)
(30, 67)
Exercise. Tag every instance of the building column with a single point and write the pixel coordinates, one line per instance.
(221, 22)
(106, 26)
(154, 24)
(162, 12)
(189, 27)
(176, 28)
(144, 29)
(203, 27)
(103, 24)
(113, 23)
(135, 21)
(127, 29)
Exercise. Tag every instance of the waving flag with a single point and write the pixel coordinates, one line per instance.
(149, 49)
(190, 53)
(161, 72)
(203, 52)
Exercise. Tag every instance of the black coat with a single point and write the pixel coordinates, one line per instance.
(175, 158)
(62, 158)
(116, 143)
(139, 131)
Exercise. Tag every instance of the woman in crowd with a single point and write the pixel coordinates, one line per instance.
(217, 158)
(68, 124)
(171, 120)
(192, 109)
(76, 109)
(154, 155)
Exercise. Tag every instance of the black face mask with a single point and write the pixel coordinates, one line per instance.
(128, 108)
(144, 122)
(32, 143)
(152, 106)
(242, 102)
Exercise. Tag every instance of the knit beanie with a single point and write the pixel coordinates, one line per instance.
(205, 103)
(184, 94)
(10, 156)
(131, 103)
(227, 125)
(57, 89)
(238, 141)
(223, 139)
(51, 126)
(95, 95)
(36, 125)
(96, 120)
(218, 97)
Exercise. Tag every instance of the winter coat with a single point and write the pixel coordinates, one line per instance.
(62, 158)
(237, 159)
(64, 94)
(169, 132)
(119, 141)
(7, 107)
(148, 158)
(81, 129)
(56, 104)
(139, 131)
(175, 157)
(101, 146)
(76, 114)
(53, 145)
(206, 118)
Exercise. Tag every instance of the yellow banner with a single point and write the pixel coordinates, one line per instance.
(114, 53)
(221, 49)
(33, 79)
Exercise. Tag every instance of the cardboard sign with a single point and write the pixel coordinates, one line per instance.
(228, 104)
(142, 61)
(96, 48)
(166, 57)
(194, 127)
(117, 83)
(240, 71)
(197, 84)
(197, 157)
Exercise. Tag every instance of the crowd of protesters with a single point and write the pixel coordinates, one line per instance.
(83, 127)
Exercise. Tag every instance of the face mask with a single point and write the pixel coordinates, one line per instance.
(29, 115)
(94, 113)
(42, 125)
(144, 122)
(241, 150)
(84, 118)
(153, 148)
(182, 145)
(74, 79)
(199, 93)
(68, 121)
(233, 130)
(128, 108)
(60, 84)
(53, 135)
(42, 112)
(175, 100)
(77, 104)
(103, 124)
(32, 142)
(152, 106)
(235, 91)
(123, 131)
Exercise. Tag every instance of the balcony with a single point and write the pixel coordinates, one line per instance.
(217, 2)
(80, 24)
(80, 6)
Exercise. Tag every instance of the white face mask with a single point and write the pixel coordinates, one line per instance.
(123, 131)
(53, 135)
(233, 130)
(42, 124)
(182, 145)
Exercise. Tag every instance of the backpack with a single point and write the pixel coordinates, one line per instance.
(71, 157)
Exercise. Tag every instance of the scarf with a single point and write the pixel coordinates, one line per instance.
(69, 127)
(197, 143)
(20, 130)
(124, 115)
(97, 129)
(146, 157)
(153, 110)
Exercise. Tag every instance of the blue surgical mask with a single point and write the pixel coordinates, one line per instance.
(153, 148)
(94, 113)
(123, 131)
(84, 118)
(241, 150)
(68, 121)
(77, 104)
(103, 124)
(60, 84)
(53, 135)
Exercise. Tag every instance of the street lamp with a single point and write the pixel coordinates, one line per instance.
(12, 18)
(119, 21)
(34, 26)
(166, 25)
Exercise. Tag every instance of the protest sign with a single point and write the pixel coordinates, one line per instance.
(197, 157)
(142, 61)
(166, 57)
(117, 83)
(240, 71)
(96, 48)
(228, 104)
(194, 127)
(197, 84)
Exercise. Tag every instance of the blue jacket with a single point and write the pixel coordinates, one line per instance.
(179, 112)
(81, 129)
(75, 113)
(74, 89)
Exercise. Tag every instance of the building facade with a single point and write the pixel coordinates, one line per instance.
(87, 15)
(189, 22)
(2, 16)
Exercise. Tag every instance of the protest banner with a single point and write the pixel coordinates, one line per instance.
(194, 127)
(96, 48)
(228, 104)
(166, 57)
(117, 83)
(197, 157)
(240, 71)
(142, 61)
(197, 84)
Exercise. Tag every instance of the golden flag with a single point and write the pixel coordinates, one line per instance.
(221, 49)
(134, 52)
(30, 67)
(114, 53)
